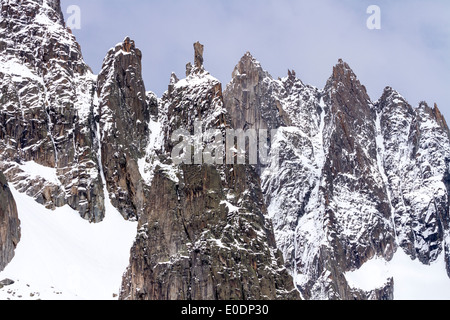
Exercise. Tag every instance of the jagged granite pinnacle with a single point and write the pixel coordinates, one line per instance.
(198, 49)
(124, 114)
(204, 233)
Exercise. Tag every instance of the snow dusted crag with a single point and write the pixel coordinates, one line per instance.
(71, 141)
(47, 136)
(416, 157)
(204, 234)
(50, 154)
(356, 218)
(349, 185)
(350, 180)
(298, 147)
(124, 116)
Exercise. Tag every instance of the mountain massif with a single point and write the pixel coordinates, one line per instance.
(347, 179)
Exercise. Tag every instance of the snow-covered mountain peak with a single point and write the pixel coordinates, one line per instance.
(434, 113)
(27, 10)
(390, 93)
(392, 99)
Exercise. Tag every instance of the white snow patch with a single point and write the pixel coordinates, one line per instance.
(196, 80)
(412, 279)
(148, 163)
(141, 165)
(35, 170)
(63, 257)
(18, 71)
(231, 208)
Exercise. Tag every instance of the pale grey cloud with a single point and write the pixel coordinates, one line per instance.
(409, 53)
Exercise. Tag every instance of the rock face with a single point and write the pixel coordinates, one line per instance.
(47, 109)
(9, 224)
(349, 179)
(204, 233)
(357, 212)
(416, 159)
(250, 97)
(124, 115)
(198, 59)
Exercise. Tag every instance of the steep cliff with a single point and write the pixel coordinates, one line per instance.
(46, 109)
(416, 155)
(9, 224)
(349, 180)
(124, 116)
(204, 233)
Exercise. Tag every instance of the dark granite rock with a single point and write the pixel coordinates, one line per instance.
(124, 116)
(204, 233)
(9, 224)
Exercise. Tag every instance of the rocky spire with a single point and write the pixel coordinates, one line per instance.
(173, 81)
(198, 59)
(124, 117)
(203, 234)
(440, 118)
(292, 75)
(188, 69)
(128, 44)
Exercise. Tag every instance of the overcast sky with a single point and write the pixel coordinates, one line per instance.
(411, 52)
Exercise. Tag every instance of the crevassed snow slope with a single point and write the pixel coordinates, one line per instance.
(63, 257)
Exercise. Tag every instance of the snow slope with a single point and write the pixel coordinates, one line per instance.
(412, 279)
(35, 170)
(63, 257)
